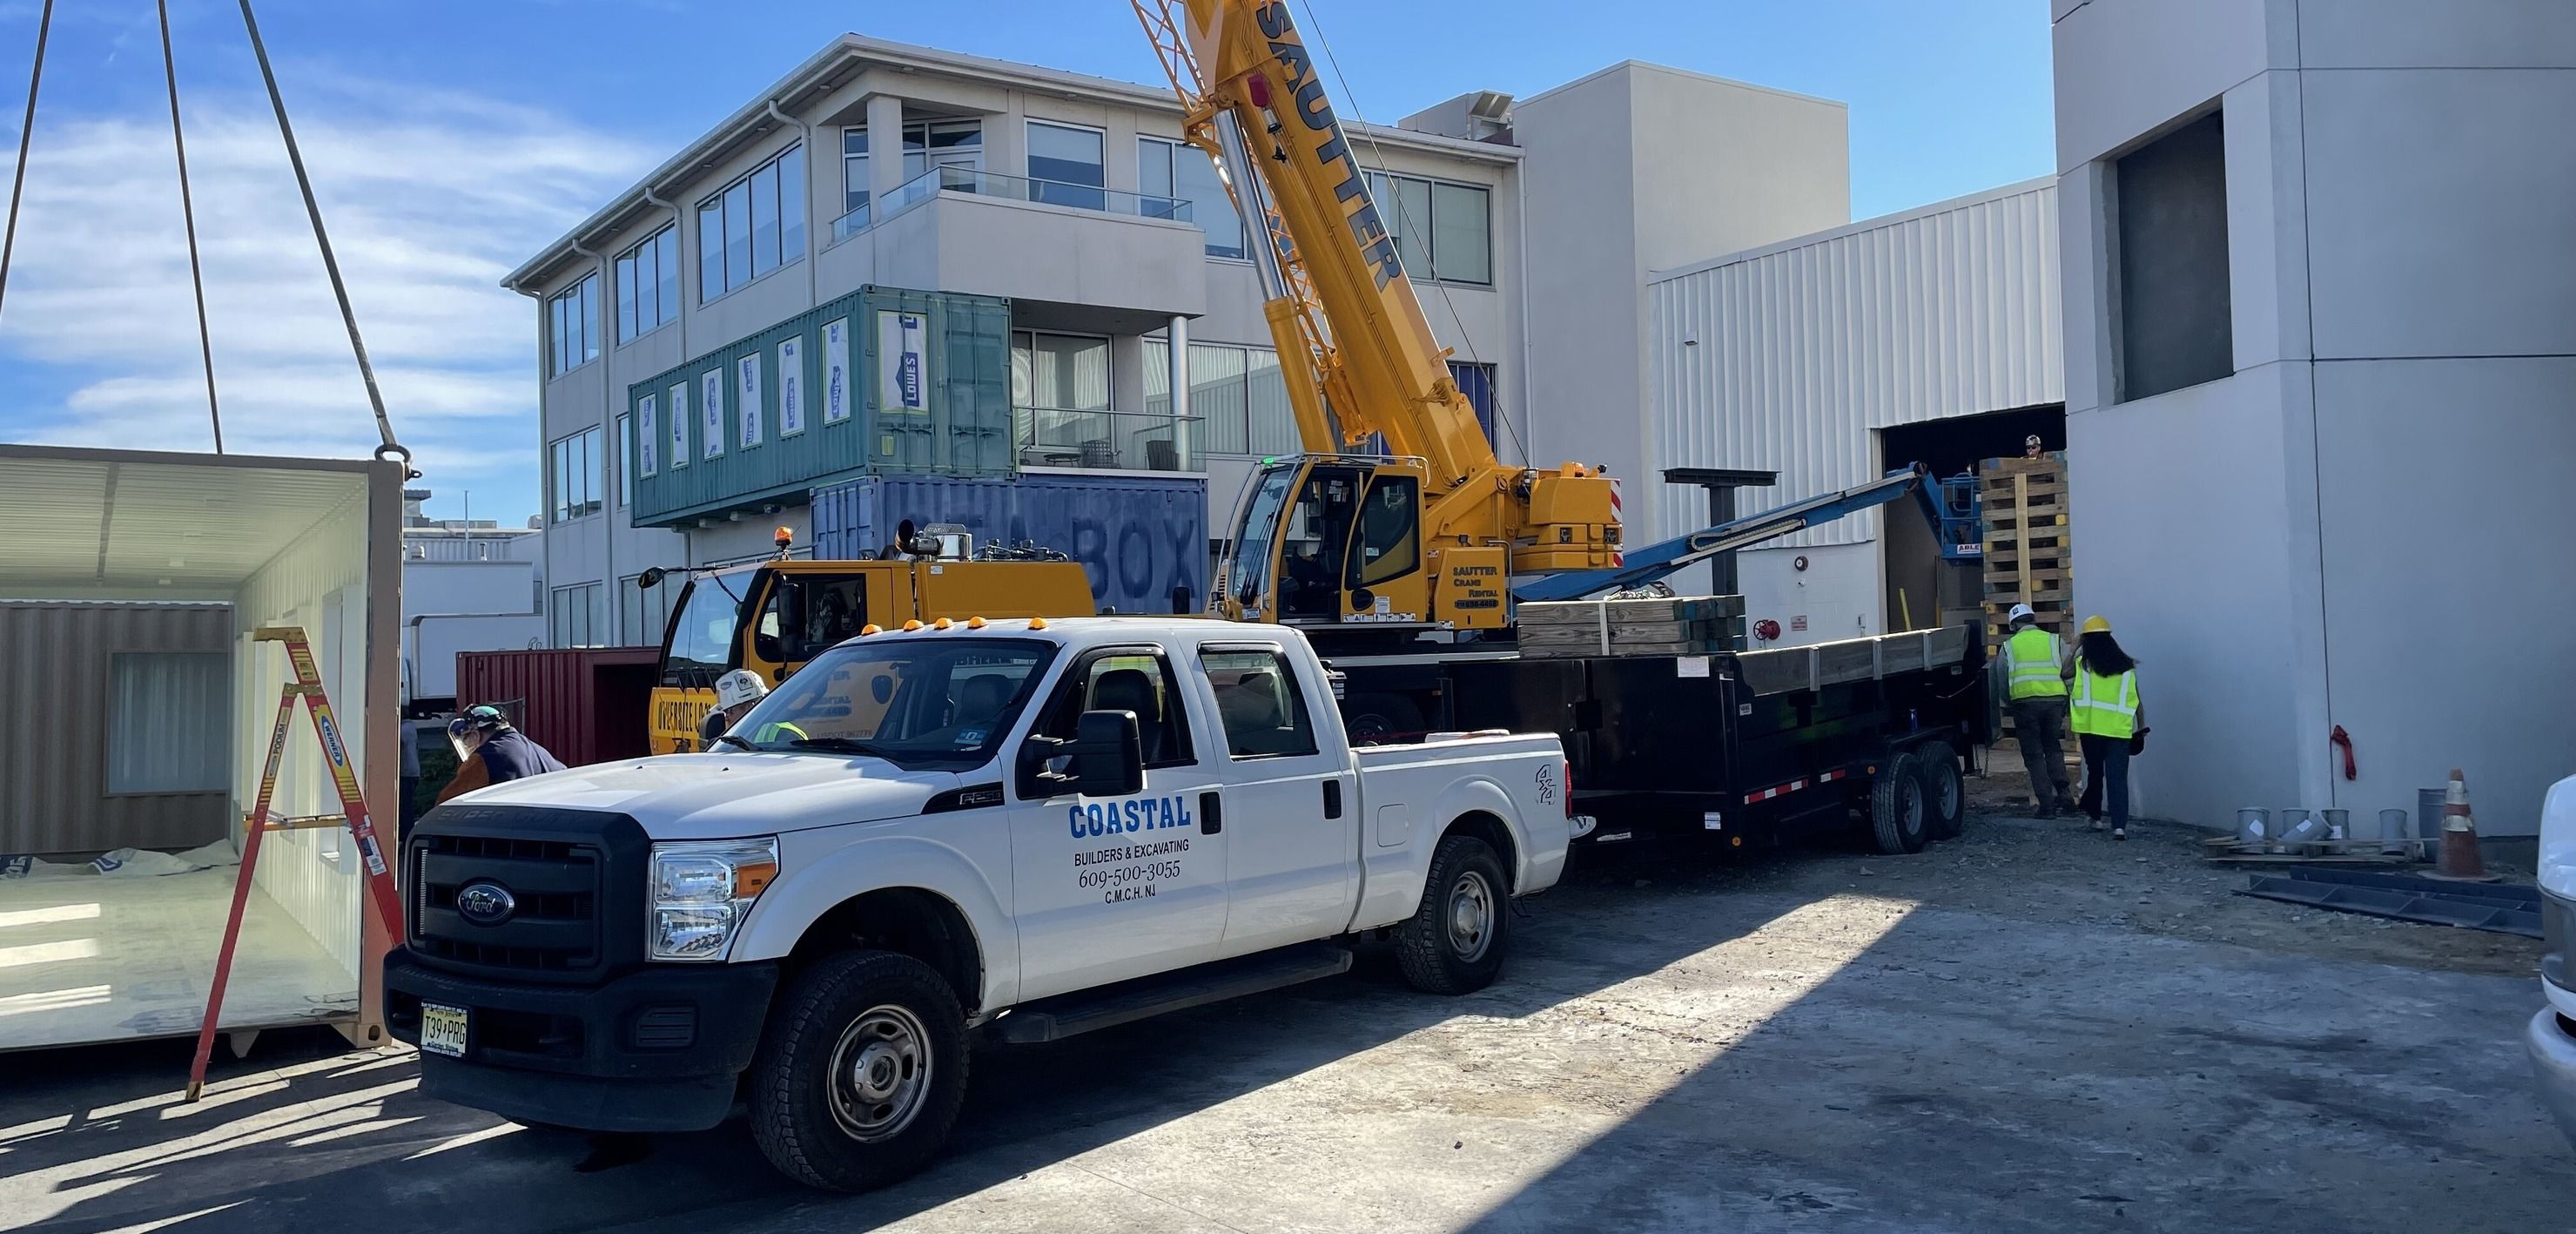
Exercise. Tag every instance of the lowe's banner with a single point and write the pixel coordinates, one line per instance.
(902, 380)
(1137, 537)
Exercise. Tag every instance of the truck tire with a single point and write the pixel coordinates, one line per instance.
(860, 1072)
(1945, 795)
(1454, 943)
(1897, 813)
(1375, 719)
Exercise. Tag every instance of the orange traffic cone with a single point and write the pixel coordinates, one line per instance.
(2459, 857)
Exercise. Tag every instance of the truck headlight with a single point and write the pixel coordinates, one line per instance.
(701, 890)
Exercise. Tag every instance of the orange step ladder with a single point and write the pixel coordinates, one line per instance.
(353, 814)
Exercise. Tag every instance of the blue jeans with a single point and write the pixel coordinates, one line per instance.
(2106, 778)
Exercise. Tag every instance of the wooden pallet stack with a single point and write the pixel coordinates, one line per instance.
(2028, 548)
(1673, 626)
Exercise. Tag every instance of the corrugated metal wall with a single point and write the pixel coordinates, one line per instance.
(55, 676)
(1785, 358)
(962, 426)
(1138, 537)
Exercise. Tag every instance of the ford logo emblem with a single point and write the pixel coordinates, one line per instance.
(485, 903)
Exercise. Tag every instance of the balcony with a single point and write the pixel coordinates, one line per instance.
(1106, 440)
(1130, 260)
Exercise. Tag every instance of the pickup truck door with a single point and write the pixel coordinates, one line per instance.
(1109, 888)
(1292, 807)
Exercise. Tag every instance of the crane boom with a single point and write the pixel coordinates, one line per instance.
(1667, 557)
(1433, 531)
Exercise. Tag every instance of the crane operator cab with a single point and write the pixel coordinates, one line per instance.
(772, 616)
(1330, 539)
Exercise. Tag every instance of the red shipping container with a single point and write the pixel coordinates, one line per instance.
(586, 704)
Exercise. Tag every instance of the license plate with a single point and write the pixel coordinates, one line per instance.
(442, 1030)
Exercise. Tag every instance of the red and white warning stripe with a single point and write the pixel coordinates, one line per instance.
(1618, 558)
(1792, 786)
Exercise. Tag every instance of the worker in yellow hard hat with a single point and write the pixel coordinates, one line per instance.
(2109, 722)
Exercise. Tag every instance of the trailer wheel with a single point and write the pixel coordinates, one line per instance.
(1454, 942)
(1375, 719)
(1945, 795)
(1897, 813)
(861, 1072)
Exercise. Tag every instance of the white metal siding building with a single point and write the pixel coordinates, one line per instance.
(1796, 357)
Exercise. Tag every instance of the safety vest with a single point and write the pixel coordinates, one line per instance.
(2104, 706)
(782, 730)
(2031, 658)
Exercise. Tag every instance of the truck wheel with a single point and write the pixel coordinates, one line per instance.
(1454, 943)
(1945, 796)
(860, 1073)
(1375, 719)
(1896, 808)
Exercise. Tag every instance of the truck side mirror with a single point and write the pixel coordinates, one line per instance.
(1105, 758)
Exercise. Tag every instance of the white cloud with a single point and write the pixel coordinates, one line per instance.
(430, 197)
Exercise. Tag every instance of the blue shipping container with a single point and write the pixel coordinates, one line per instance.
(1137, 536)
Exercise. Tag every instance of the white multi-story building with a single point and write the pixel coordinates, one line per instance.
(2321, 390)
(1528, 231)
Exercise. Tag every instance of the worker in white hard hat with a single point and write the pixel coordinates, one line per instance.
(2036, 666)
(737, 693)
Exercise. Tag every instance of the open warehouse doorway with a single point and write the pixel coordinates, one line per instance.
(136, 710)
(1923, 586)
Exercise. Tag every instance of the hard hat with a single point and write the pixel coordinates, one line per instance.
(2020, 612)
(2097, 625)
(481, 715)
(739, 686)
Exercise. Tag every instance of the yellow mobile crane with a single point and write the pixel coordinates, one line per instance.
(1431, 535)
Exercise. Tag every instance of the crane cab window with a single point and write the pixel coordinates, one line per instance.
(1389, 544)
(701, 637)
(1313, 550)
(1137, 681)
(803, 616)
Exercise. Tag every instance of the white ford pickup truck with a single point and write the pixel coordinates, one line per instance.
(1014, 830)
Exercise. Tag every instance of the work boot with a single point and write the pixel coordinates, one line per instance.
(2119, 833)
(2097, 822)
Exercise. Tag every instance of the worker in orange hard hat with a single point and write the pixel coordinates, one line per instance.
(2109, 722)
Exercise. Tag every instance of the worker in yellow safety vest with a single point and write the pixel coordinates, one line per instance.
(2109, 723)
(2035, 670)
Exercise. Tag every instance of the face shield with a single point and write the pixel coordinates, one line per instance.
(463, 738)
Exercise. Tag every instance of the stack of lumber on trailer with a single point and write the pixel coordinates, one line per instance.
(2029, 547)
(1669, 626)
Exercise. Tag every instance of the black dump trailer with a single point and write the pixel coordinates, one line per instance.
(1755, 746)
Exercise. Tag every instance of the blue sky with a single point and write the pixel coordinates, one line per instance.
(448, 139)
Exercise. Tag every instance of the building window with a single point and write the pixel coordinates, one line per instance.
(1067, 166)
(573, 474)
(577, 618)
(572, 326)
(1060, 412)
(1178, 171)
(926, 144)
(648, 285)
(754, 226)
(1442, 230)
(625, 461)
(2175, 328)
(1476, 381)
(644, 613)
(1238, 397)
(168, 720)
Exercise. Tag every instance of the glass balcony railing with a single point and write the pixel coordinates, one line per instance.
(1105, 440)
(939, 180)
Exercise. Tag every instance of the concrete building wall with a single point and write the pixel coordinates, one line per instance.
(2361, 526)
(1630, 169)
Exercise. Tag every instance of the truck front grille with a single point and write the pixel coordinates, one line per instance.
(552, 888)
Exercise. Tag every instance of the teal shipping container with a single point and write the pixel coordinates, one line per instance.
(878, 382)
(1139, 537)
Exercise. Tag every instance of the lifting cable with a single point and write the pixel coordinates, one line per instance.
(26, 131)
(1316, 27)
(330, 264)
(188, 214)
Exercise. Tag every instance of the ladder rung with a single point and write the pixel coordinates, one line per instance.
(303, 822)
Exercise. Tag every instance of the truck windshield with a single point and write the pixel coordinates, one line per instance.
(1259, 543)
(702, 635)
(924, 700)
